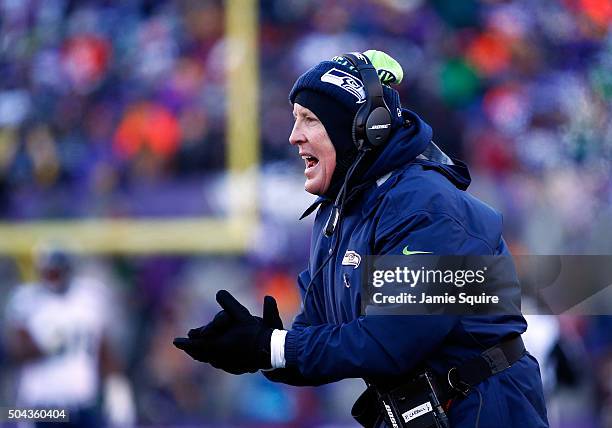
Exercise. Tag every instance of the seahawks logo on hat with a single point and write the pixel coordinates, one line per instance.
(346, 81)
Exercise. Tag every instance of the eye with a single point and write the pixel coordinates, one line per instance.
(311, 121)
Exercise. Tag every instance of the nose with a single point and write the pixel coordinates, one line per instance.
(297, 136)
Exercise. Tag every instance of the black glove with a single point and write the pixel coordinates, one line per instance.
(222, 321)
(271, 317)
(235, 340)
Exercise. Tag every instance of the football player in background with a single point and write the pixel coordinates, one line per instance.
(56, 332)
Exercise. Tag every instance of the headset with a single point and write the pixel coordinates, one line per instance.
(372, 123)
(371, 129)
(371, 126)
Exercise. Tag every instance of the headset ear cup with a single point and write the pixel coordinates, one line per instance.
(372, 123)
(357, 136)
(378, 126)
(359, 127)
(354, 132)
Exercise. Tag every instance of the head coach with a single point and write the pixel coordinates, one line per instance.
(384, 188)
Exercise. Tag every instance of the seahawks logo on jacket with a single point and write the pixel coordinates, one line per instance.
(346, 81)
(351, 258)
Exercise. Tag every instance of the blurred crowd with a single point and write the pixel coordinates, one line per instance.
(116, 109)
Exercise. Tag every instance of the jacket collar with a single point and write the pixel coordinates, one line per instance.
(382, 183)
(405, 145)
(320, 200)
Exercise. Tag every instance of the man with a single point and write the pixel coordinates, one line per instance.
(56, 331)
(399, 195)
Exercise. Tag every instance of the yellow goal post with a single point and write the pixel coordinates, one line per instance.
(229, 234)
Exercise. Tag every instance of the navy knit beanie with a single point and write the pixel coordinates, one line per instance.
(334, 92)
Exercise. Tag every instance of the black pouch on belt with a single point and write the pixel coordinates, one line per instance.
(414, 404)
(417, 403)
(366, 410)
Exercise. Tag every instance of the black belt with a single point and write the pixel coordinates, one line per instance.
(462, 378)
(457, 383)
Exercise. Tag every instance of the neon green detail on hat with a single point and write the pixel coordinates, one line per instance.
(389, 70)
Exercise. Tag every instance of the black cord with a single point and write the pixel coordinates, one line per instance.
(479, 407)
(338, 205)
(334, 216)
(332, 251)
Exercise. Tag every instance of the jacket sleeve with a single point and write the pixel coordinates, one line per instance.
(383, 345)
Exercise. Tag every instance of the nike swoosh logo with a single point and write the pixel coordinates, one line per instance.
(407, 252)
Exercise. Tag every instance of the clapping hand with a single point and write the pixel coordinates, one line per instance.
(235, 340)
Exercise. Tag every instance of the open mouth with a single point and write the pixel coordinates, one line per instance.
(310, 161)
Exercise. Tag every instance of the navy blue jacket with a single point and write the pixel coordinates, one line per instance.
(421, 204)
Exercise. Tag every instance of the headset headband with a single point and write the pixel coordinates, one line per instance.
(372, 123)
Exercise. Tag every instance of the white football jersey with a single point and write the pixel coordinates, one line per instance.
(70, 326)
